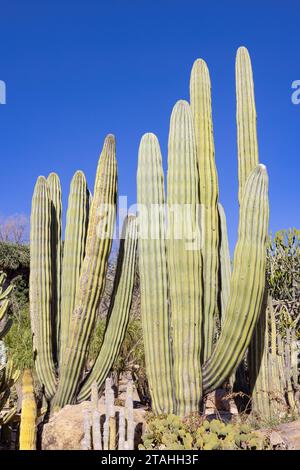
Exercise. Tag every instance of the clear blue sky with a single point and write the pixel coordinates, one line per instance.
(77, 70)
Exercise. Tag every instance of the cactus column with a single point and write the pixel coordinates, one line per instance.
(153, 274)
(186, 308)
(200, 96)
(41, 287)
(118, 313)
(74, 251)
(245, 118)
(79, 284)
(247, 282)
(184, 260)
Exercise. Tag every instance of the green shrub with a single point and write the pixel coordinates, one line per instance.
(15, 262)
(171, 432)
(19, 340)
(283, 272)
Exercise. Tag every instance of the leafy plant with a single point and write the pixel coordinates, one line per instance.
(283, 274)
(171, 432)
(15, 262)
(19, 340)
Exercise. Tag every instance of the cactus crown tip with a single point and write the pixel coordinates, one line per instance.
(41, 180)
(242, 50)
(78, 174)
(109, 144)
(200, 64)
(182, 104)
(52, 174)
(148, 135)
(110, 138)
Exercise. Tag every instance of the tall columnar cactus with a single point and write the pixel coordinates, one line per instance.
(74, 250)
(184, 261)
(185, 267)
(245, 118)
(225, 263)
(200, 96)
(28, 413)
(65, 290)
(154, 274)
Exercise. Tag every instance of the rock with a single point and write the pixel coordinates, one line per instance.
(276, 439)
(64, 431)
(283, 436)
(290, 433)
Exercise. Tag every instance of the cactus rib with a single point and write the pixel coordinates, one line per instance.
(92, 276)
(245, 118)
(118, 314)
(184, 259)
(200, 97)
(153, 273)
(247, 282)
(41, 286)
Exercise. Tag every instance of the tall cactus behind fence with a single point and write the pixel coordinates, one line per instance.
(273, 366)
(185, 285)
(115, 434)
(65, 291)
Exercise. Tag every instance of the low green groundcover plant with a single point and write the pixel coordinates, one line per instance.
(171, 432)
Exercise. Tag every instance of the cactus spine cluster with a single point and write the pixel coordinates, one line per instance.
(28, 414)
(186, 280)
(65, 288)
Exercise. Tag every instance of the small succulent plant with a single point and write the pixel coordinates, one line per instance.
(171, 432)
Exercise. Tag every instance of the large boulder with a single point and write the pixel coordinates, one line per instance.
(284, 436)
(64, 431)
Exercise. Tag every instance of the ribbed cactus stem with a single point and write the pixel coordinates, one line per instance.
(96, 425)
(119, 309)
(259, 365)
(200, 96)
(92, 275)
(245, 118)
(225, 263)
(130, 418)
(121, 429)
(41, 286)
(294, 359)
(184, 259)
(153, 274)
(246, 291)
(28, 414)
(74, 251)
(112, 421)
(107, 413)
(86, 441)
(288, 369)
(56, 253)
